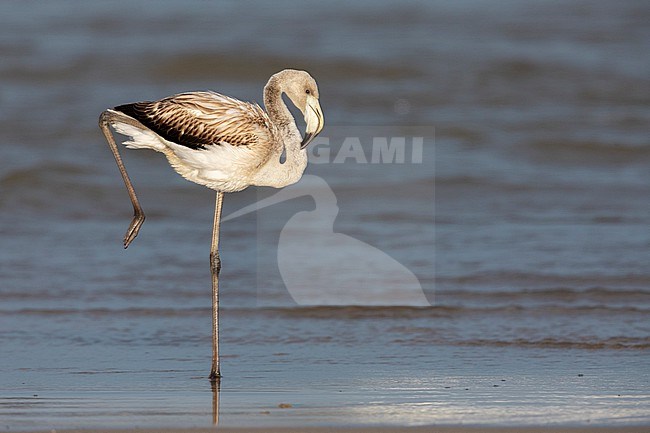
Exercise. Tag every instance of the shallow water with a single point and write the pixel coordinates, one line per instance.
(522, 229)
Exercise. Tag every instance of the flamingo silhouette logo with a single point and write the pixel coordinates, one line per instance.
(334, 268)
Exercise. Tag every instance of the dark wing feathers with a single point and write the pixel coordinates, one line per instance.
(139, 111)
(200, 119)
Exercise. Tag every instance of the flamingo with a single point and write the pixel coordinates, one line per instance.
(222, 143)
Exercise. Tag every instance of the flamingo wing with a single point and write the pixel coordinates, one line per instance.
(198, 120)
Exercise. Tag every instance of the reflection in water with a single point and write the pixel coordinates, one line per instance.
(216, 389)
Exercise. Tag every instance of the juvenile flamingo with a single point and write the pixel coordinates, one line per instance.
(222, 143)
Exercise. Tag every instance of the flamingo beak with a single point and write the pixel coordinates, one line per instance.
(314, 120)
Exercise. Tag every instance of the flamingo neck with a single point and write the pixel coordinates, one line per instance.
(275, 173)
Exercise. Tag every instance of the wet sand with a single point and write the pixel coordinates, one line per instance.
(421, 429)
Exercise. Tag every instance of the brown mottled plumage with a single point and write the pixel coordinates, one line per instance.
(199, 119)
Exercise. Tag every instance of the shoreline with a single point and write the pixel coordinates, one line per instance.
(378, 429)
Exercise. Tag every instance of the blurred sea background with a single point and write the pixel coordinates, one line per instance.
(526, 222)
